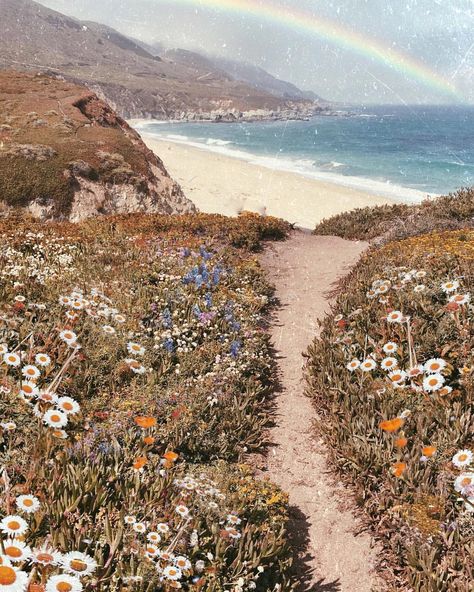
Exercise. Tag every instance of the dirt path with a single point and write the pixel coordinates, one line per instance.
(333, 558)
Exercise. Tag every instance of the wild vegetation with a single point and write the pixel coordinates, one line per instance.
(391, 222)
(135, 377)
(392, 378)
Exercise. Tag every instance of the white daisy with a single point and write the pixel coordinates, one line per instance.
(63, 583)
(182, 510)
(460, 299)
(389, 363)
(78, 563)
(45, 555)
(55, 418)
(463, 481)
(433, 382)
(416, 371)
(353, 365)
(152, 550)
(3, 348)
(434, 365)
(12, 359)
(419, 288)
(16, 550)
(172, 573)
(163, 528)
(183, 563)
(29, 389)
(390, 347)
(397, 376)
(13, 525)
(42, 359)
(68, 405)
(108, 329)
(368, 364)
(395, 317)
(68, 336)
(154, 537)
(48, 397)
(31, 372)
(462, 458)
(12, 579)
(450, 286)
(139, 527)
(27, 503)
(65, 300)
(129, 519)
(135, 348)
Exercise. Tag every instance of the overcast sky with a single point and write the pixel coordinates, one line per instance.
(439, 33)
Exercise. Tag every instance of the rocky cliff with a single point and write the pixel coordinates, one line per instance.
(65, 154)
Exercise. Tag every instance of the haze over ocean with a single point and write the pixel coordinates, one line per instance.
(404, 152)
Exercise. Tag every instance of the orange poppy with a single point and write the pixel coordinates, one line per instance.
(429, 451)
(171, 456)
(140, 463)
(401, 442)
(391, 425)
(399, 468)
(149, 440)
(145, 422)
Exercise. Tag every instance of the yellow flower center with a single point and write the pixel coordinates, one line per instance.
(433, 382)
(63, 587)
(67, 406)
(13, 552)
(44, 557)
(462, 457)
(28, 502)
(78, 565)
(7, 575)
(13, 525)
(55, 418)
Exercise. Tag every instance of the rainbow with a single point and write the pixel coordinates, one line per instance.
(334, 33)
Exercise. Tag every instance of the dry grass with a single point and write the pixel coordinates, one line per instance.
(398, 221)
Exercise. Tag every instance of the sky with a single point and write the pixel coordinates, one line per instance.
(438, 34)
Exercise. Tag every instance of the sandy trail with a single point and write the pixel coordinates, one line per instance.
(333, 557)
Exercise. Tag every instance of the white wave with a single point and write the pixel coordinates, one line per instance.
(305, 168)
(333, 164)
(217, 142)
(177, 137)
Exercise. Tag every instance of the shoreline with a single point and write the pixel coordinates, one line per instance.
(222, 184)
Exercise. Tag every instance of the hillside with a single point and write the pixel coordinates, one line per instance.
(65, 154)
(135, 82)
(256, 77)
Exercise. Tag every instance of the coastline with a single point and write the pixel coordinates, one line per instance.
(222, 184)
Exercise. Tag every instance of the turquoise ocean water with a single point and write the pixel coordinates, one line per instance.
(403, 152)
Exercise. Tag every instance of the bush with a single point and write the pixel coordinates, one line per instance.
(135, 378)
(392, 378)
(398, 221)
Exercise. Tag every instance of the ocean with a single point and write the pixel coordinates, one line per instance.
(404, 153)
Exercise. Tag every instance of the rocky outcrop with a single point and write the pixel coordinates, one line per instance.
(73, 157)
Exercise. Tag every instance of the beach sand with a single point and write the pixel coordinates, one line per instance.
(224, 185)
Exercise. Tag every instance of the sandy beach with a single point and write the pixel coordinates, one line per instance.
(224, 185)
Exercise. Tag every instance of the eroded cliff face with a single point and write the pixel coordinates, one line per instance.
(65, 154)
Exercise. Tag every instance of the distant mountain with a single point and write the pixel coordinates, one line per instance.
(254, 76)
(136, 82)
